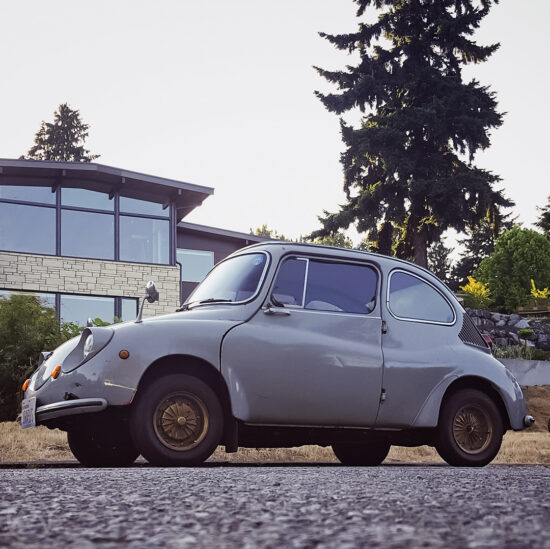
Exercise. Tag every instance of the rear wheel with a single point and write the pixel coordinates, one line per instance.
(102, 445)
(470, 429)
(361, 453)
(177, 420)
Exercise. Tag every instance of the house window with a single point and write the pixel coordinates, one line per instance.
(87, 234)
(196, 264)
(145, 240)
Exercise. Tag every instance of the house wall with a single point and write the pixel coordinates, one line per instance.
(70, 275)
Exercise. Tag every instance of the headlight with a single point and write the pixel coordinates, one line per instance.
(88, 345)
(92, 341)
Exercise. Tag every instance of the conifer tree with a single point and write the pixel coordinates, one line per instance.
(62, 140)
(410, 162)
(543, 221)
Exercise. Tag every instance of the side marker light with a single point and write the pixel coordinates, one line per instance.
(124, 354)
(26, 385)
(56, 371)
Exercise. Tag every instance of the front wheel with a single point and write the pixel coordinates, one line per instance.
(102, 445)
(470, 429)
(361, 453)
(177, 420)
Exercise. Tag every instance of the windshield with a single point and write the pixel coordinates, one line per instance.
(234, 280)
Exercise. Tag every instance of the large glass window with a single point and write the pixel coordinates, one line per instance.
(46, 299)
(413, 299)
(83, 198)
(28, 194)
(144, 240)
(129, 308)
(196, 264)
(78, 308)
(329, 286)
(133, 205)
(87, 234)
(29, 229)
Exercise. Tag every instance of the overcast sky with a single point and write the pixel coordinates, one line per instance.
(220, 93)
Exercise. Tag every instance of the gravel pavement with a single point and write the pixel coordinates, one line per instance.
(276, 506)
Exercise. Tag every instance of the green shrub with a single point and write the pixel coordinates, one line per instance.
(519, 351)
(520, 256)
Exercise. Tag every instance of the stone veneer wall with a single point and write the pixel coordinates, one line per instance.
(70, 275)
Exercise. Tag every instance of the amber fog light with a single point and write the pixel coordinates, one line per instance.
(56, 371)
(124, 354)
(26, 385)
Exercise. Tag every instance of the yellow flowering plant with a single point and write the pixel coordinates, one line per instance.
(477, 295)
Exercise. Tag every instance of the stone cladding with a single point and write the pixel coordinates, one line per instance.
(71, 275)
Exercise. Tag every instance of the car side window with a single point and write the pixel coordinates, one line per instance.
(411, 298)
(329, 286)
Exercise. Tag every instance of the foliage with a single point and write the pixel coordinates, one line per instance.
(410, 161)
(525, 333)
(477, 295)
(26, 328)
(519, 351)
(62, 140)
(438, 260)
(267, 233)
(520, 255)
(539, 294)
(336, 239)
(479, 244)
(543, 221)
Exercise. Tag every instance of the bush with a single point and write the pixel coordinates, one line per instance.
(519, 351)
(520, 255)
(476, 294)
(27, 327)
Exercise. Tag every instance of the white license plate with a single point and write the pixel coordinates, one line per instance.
(28, 409)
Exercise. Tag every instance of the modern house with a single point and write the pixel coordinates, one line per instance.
(86, 238)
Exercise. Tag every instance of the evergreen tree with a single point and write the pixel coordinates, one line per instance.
(479, 245)
(62, 140)
(543, 221)
(410, 162)
(439, 262)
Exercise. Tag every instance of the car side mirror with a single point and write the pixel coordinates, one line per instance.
(151, 295)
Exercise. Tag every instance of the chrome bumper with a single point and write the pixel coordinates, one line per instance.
(528, 421)
(70, 408)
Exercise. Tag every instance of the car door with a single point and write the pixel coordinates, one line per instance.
(312, 354)
(418, 346)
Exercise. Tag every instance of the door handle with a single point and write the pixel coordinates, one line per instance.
(270, 311)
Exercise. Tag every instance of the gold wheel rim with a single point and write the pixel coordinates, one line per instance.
(472, 429)
(181, 421)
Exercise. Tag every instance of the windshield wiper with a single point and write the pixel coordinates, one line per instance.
(203, 302)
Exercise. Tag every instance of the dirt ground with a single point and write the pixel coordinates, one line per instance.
(529, 447)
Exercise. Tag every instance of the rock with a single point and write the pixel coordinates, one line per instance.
(523, 324)
(513, 319)
(501, 323)
(501, 341)
(514, 337)
(496, 317)
(530, 343)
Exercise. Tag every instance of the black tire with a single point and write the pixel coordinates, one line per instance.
(470, 429)
(177, 420)
(361, 453)
(102, 445)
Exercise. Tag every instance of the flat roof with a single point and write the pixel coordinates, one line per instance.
(92, 176)
(223, 232)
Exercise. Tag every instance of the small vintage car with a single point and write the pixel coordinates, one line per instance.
(283, 345)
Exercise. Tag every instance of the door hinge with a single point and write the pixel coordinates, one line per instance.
(384, 327)
(383, 395)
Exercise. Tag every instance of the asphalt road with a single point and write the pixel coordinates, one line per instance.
(276, 506)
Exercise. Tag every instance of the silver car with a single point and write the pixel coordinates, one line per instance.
(284, 345)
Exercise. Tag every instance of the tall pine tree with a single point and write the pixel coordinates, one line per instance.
(62, 140)
(543, 221)
(410, 162)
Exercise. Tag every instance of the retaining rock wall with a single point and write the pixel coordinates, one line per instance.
(504, 328)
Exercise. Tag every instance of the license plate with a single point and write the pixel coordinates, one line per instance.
(28, 409)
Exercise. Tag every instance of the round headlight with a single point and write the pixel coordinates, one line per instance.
(88, 345)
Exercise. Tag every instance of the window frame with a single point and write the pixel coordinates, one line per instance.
(417, 320)
(325, 259)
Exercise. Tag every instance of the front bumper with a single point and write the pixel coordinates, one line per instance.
(69, 408)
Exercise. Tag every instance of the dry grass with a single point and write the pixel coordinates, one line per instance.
(529, 447)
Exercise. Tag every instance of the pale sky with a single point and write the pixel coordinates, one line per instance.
(220, 93)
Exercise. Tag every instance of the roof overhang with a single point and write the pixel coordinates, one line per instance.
(215, 231)
(98, 177)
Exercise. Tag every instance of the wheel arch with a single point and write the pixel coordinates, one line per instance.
(483, 385)
(200, 369)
